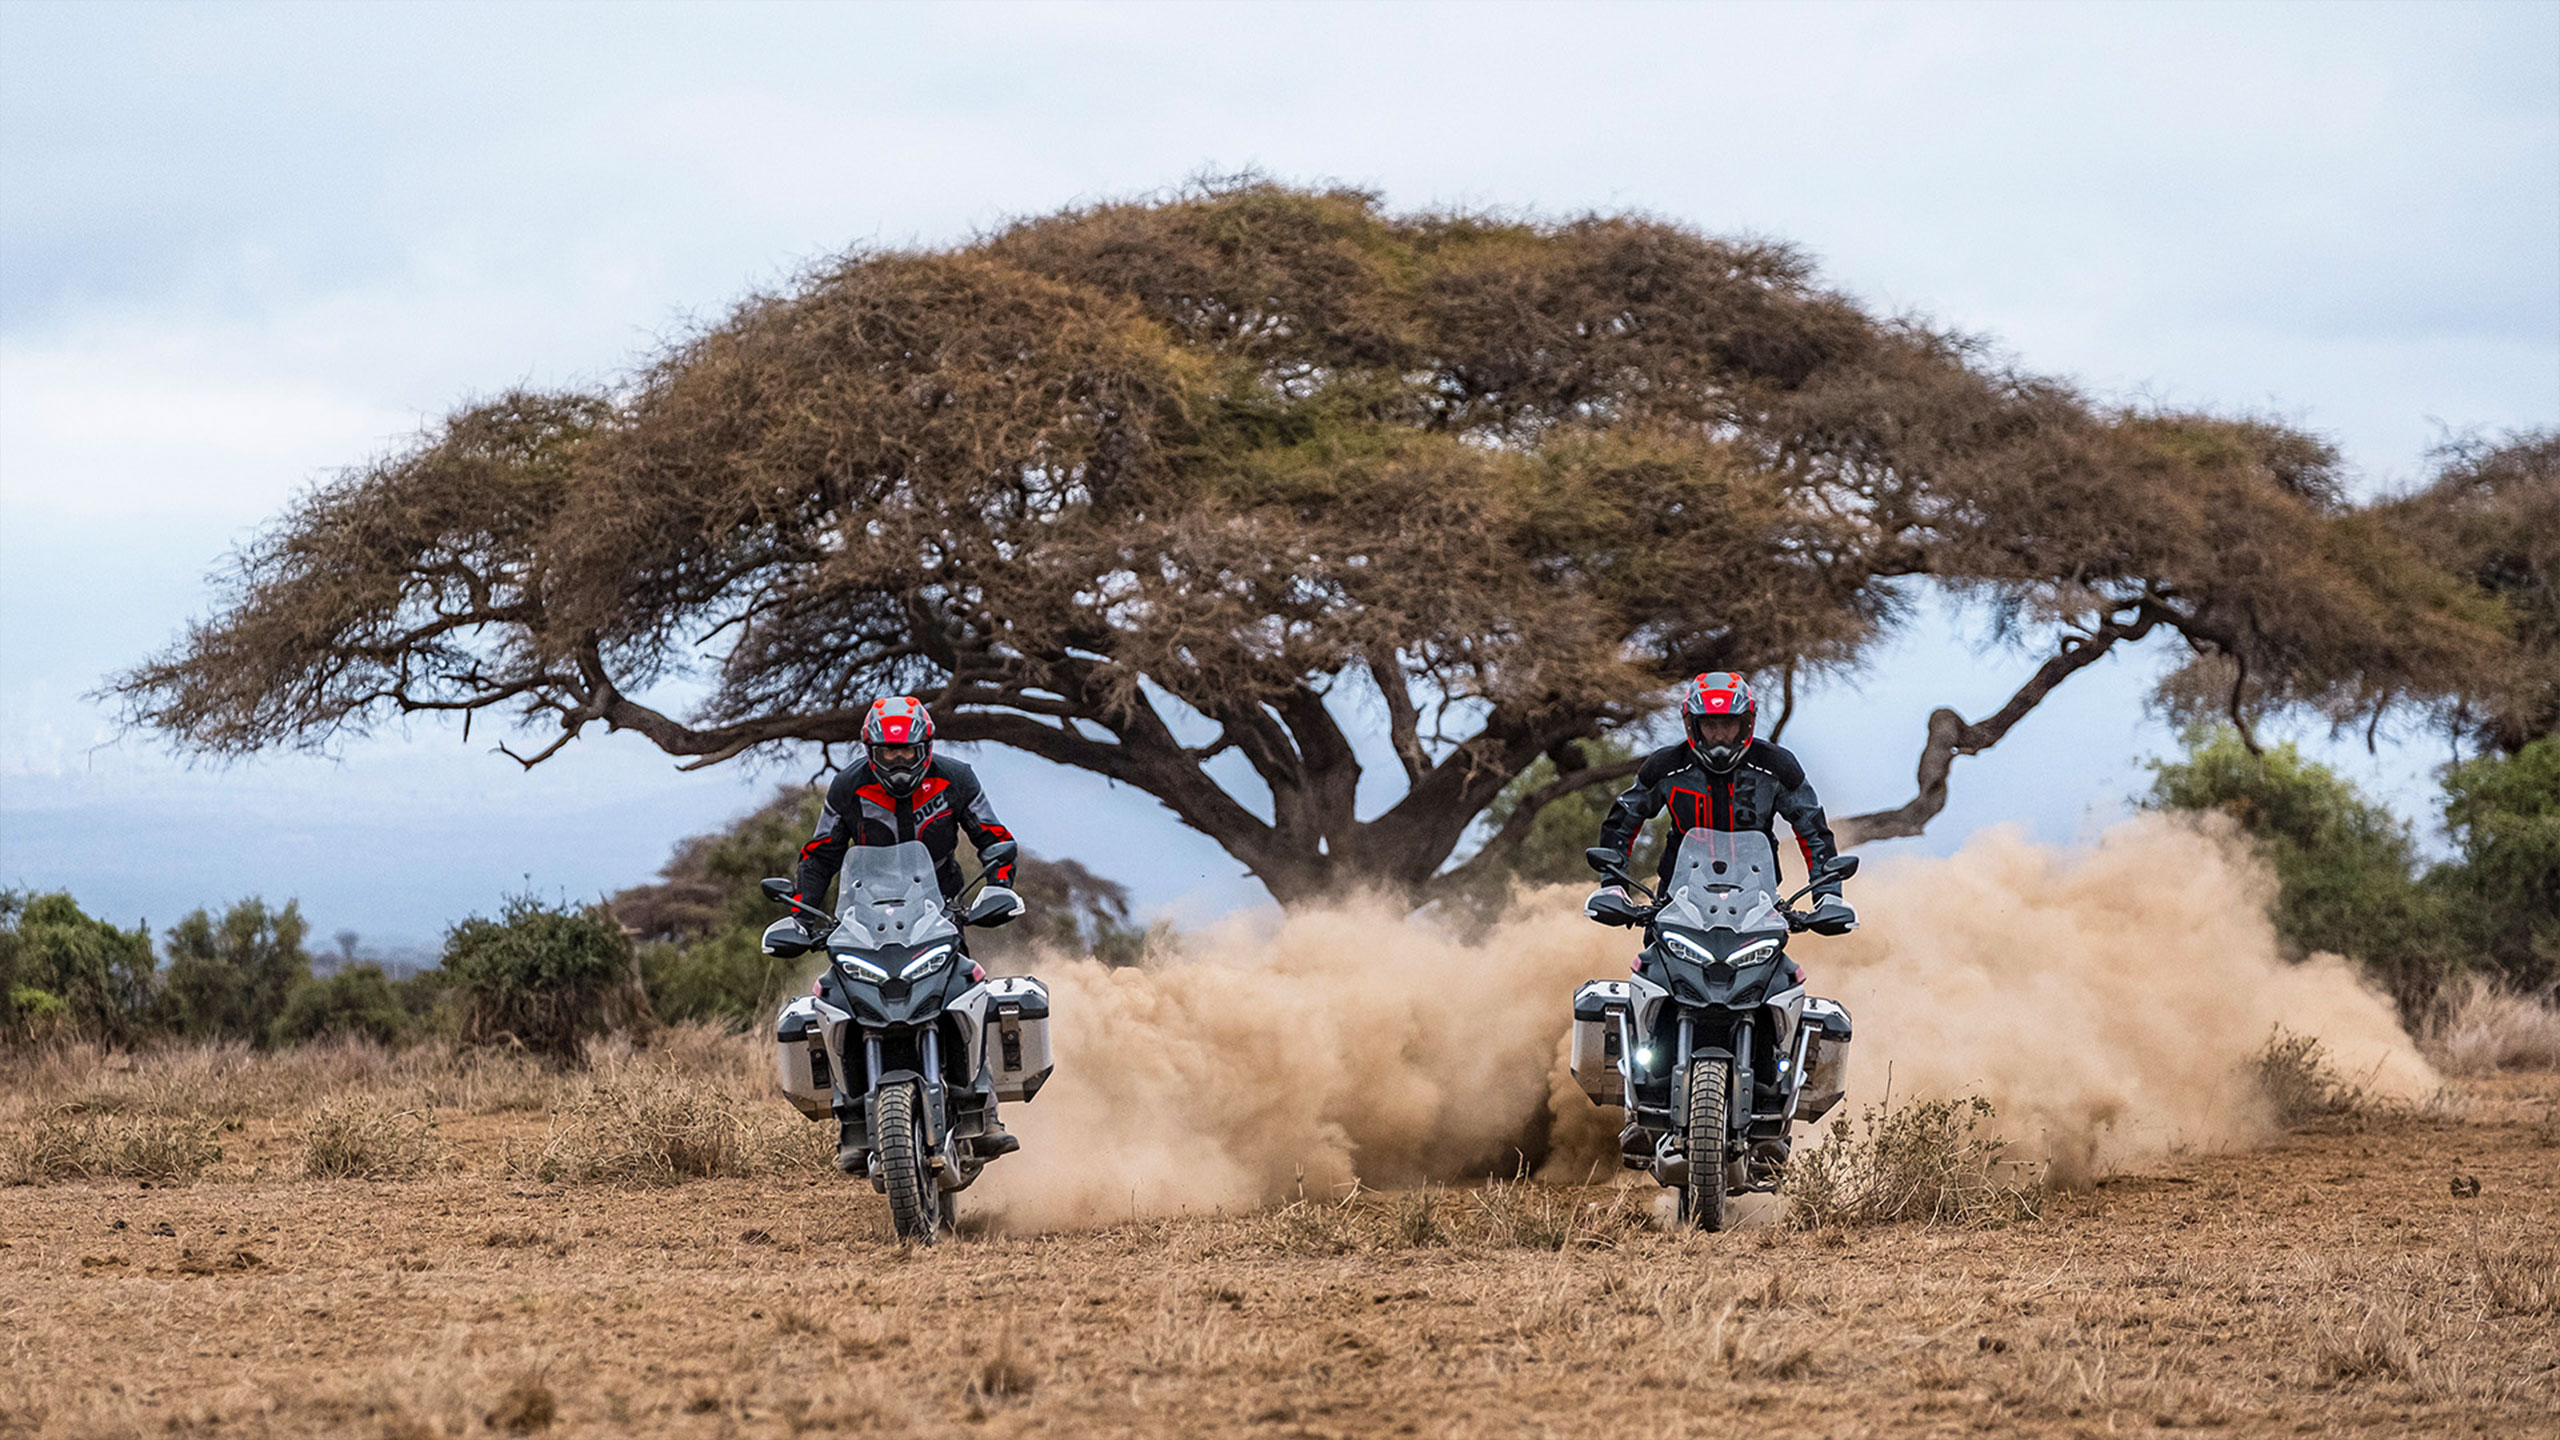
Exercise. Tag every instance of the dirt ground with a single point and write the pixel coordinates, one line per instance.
(2346, 1281)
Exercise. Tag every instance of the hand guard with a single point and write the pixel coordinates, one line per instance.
(787, 938)
(995, 905)
(1833, 917)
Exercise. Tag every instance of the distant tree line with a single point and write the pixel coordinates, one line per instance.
(542, 977)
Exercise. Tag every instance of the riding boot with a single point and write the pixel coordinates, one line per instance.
(849, 1152)
(995, 1140)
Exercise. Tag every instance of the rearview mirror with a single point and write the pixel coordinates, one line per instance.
(1604, 859)
(777, 890)
(1843, 866)
(999, 854)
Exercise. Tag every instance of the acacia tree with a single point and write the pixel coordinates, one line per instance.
(1138, 486)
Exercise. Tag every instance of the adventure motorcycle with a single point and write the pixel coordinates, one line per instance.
(906, 1043)
(1712, 1045)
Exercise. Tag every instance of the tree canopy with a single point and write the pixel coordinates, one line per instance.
(1139, 486)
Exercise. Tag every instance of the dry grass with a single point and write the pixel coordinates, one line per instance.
(2487, 1029)
(679, 1111)
(2302, 1087)
(71, 1145)
(1496, 1215)
(1931, 1161)
(358, 1138)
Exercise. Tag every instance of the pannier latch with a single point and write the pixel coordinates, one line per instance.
(1009, 1035)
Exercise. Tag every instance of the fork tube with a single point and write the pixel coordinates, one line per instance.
(1627, 1056)
(1794, 1078)
(871, 1058)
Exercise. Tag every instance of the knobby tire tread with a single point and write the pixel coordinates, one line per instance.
(914, 1209)
(1702, 1193)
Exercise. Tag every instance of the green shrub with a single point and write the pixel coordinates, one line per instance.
(230, 980)
(2505, 815)
(64, 973)
(542, 977)
(357, 1000)
(2346, 869)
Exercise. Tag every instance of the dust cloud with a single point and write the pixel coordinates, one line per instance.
(2105, 998)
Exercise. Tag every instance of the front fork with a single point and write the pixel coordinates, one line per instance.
(1739, 1093)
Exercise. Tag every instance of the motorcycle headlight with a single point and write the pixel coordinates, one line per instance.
(1689, 947)
(855, 965)
(1756, 950)
(925, 962)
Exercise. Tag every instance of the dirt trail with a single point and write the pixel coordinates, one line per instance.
(2328, 1283)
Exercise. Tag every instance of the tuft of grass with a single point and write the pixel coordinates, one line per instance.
(351, 1137)
(2301, 1086)
(611, 1129)
(1004, 1374)
(2376, 1345)
(70, 1145)
(526, 1405)
(1931, 1161)
(2488, 1028)
(2522, 1279)
(1418, 1221)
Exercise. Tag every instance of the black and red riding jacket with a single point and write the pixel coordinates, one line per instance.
(860, 811)
(1765, 785)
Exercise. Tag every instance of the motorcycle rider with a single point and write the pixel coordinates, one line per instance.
(1723, 778)
(900, 791)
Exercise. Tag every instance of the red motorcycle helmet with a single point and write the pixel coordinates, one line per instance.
(1719, 712)
(897, 741)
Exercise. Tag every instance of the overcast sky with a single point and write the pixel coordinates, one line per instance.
(241, 246)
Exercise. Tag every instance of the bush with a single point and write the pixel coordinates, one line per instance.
(2346, 869)
(231, 980)
(71, 1145)
(1927, 1160)
(2485, 1028)
(357, 1000)
(352, 1138)
(654, 1126)
(2301, 1086)
(542, 977)
(2505, 815)
(65, 975)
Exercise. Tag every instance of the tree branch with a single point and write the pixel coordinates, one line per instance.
(1404, 722)
(1950, 734)
(1515, 828)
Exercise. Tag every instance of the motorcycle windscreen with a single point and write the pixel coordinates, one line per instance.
(889, 896)
(1725, 880)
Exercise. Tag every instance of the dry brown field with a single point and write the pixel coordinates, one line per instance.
(2376, 1274)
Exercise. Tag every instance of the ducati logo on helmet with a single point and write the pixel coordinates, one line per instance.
(897, 742)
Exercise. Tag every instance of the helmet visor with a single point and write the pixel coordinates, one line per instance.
(897, 757)
(1719, 729)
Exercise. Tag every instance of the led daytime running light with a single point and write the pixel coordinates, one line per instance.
(925, 962)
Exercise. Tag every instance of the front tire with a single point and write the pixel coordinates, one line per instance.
(916, 1208)
(1702, 1197)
